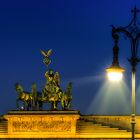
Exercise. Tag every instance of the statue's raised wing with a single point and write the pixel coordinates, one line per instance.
(46, 53)
(49, 52)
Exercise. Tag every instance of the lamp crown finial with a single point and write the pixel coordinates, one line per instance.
(135, 11)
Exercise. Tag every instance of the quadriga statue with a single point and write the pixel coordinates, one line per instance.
(51, 93)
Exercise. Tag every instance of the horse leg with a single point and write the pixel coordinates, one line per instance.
(52, 105)
(36, 105)
(68, 105)
(62, 104)
(26, 105)
(55, 105)
(30, 105)
(40, 105)
(17, 105)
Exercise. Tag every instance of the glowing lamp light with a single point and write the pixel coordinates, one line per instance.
(114, 76)
(115, 73)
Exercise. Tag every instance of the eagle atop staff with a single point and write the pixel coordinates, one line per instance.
(46, 55)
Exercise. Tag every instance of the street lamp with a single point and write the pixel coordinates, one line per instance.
(115, 72)
(132, 32)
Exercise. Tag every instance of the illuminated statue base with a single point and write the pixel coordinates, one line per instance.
(41, 124)
(18, 125)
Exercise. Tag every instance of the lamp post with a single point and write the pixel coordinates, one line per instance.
(132, 32)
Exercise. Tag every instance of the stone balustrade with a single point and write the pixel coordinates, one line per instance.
(123, 122)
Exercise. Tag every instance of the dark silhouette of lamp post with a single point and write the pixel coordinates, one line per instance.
(132, 32)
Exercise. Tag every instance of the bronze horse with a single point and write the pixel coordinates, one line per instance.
(32, 100)
(67, 97)
(24, 96)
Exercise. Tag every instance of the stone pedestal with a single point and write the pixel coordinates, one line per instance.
(53, 124)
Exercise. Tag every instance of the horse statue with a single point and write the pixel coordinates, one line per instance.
(67, 97)
(32, 100)
(36, 101)
(24, 96)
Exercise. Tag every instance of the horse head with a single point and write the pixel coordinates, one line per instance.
(18, 88)
(69, 89)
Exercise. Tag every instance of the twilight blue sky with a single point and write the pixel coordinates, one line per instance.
(78, 32)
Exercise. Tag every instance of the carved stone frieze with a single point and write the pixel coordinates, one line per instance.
(48, 126)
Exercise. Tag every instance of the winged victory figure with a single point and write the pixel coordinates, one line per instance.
(46, 55)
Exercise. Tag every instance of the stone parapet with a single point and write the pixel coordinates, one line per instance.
(63, 125)
(120, 121)
(41, 123)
